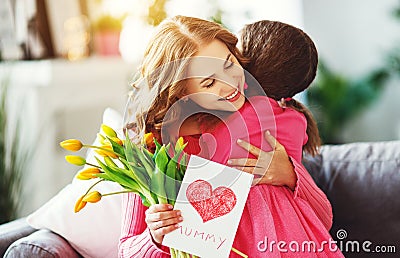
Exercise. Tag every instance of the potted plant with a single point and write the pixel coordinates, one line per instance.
(334, 99)
(106, 32)
(14, 158)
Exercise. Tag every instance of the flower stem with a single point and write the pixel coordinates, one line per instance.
(103, 149)
(91, 187)
(173, 252)
(119, 192)
(93, 165)
(239, 253)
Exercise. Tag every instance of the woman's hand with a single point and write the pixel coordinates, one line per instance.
(272, 167)
(161, 219)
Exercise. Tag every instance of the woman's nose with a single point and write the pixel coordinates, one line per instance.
(225, 88)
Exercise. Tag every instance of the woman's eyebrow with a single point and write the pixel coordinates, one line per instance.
(227, 58)
(210, 77)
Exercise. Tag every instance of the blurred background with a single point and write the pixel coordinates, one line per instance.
(64, 62)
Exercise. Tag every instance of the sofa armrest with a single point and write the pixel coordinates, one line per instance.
(42, 243)
(12, 231)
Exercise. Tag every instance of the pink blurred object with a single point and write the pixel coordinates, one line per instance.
(107, 43)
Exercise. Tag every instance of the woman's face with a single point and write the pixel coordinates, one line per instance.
(216, 79)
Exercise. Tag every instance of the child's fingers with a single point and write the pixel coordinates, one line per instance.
(165, 223)
(250, 148)
(165, 230)
(162, 215)
(159, 207)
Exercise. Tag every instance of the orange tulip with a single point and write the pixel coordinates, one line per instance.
(80, 204)
(92, 197)
(148, 139)
(88, 173)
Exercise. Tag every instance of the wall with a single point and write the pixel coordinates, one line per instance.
(59, 100)
(353, 38)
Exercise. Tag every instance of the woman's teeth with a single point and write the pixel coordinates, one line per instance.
(232, 95)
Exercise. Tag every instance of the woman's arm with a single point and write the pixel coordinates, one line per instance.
(277, 168)
(136, 240)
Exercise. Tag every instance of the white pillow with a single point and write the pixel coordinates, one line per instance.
(95, 230)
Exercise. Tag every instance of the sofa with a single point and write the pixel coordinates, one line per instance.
(361, 180)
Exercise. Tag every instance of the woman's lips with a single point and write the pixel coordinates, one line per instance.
(234, 96)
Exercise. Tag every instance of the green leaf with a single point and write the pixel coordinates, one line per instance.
(138, 173)
(148, 154)
(178, 152)
(157, 185)
(171, 181)
(147, 164)
(109, 162)
(162, 159)
(145, 201)
(114, 175)
(116, 147)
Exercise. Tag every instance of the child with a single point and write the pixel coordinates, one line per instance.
(283, 59)
(181, 38)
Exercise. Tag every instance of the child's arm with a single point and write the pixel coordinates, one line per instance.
(135, 240)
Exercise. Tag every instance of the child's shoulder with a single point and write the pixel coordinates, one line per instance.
(287, 115)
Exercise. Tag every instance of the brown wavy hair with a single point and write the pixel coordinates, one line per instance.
(161, 82)
(283, 59)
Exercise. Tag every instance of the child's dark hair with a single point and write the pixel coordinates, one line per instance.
(283, 59)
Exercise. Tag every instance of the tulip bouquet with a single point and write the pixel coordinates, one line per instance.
(155, 176)
(151, 170)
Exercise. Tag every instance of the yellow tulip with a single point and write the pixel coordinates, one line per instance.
(106, 153)
(108, 131)
(88, 173)
(71, 145)
(148, 139)
(92, 197)
(80, 204)
(75, 160)
(101, 139)
(117, 140)
(180, 142)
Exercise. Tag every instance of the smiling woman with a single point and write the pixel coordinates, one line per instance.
(215, 78)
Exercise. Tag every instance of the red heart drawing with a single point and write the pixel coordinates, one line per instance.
(210, 204)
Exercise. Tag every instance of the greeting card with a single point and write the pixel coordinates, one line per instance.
(211, 198)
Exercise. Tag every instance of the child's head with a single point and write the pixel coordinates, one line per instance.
(282, 57)
(165, 64)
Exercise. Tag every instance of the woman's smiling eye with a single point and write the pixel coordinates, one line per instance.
(209, 85)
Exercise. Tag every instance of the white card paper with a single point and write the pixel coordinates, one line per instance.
(212, 198)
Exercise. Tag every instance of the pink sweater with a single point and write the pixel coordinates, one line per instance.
(136, 240)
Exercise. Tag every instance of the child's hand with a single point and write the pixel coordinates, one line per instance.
(272, 167)
(161, 219)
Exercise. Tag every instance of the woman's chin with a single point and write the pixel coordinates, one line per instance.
(238, 104)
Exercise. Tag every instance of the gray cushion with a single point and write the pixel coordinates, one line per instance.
(43, 244)
(362, 182)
